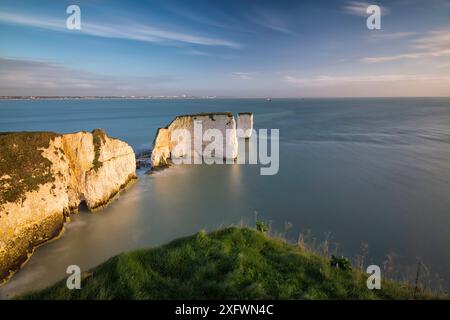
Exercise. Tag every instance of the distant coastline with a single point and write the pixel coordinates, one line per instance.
(186, 97)
(101, 97)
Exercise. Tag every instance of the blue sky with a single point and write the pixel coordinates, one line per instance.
(238, 48)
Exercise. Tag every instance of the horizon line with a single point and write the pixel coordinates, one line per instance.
(191, 97)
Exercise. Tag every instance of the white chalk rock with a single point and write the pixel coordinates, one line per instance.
(53, 174)
(182, 137)
(245, 123)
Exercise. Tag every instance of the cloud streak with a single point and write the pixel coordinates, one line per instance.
(431, 45)
(128, 31)
(244, 75)
(325, 80)
(358, 8)
(18, 74)
(391, 35)
(269, 19)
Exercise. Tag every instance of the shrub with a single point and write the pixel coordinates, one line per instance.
(340, 263)
(261, 226)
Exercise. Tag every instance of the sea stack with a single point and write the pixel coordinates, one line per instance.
(45, 176)
(245, 123)
(166, 146)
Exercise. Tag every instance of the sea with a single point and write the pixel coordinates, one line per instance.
(365, 178)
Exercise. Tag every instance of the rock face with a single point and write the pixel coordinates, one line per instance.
(177, 139)
(245, 123)
(161, 148)
(45, 176)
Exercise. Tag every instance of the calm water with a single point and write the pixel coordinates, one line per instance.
(373, 171)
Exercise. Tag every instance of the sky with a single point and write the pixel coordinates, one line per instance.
(232, 48)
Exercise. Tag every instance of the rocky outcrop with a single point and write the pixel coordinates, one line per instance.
(245, 123)
(45, 176)
(161, 148)
(177, 139)
(143, 159)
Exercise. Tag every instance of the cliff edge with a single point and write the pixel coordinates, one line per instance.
(45, 176)
(232, 263)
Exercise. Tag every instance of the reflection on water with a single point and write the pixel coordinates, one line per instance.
(158, 208)
(373, 171)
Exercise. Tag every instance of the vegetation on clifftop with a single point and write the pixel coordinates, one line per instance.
(211, 116)
(233, 263)
(99, 138)
(22, 166)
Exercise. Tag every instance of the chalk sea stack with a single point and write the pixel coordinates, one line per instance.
(44, 176)
(166, 145)
(245, 123)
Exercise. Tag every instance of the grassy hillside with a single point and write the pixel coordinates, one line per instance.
(232, 263)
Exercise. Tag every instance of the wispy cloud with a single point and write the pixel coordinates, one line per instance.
(431, 45)
(359, 8)
(418, 55)
(444, 66)
(325, 80)
(434, 40)
(37, 74)
(269, 19)
(391, 35)
(19, 74)
(215, 18)
(244, 75)
(130, 31)
(197, 53)
(200, 53)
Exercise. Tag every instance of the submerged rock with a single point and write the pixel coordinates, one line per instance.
(45, 176)
(143, 159)
(169, 143)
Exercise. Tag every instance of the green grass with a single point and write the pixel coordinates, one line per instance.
(22, 165)
(233, 263)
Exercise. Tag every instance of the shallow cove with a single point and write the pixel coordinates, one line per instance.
(148, 213)
(373, 171)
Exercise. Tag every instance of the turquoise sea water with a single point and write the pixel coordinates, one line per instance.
(373, 171)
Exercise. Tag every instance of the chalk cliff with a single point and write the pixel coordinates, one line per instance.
(45, 176)
(170, 142)
(245, 123)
